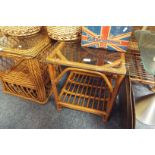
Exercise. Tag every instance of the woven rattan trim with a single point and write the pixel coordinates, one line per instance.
(64, 33)
(20, 30)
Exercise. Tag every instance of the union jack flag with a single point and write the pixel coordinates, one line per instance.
(114, 38)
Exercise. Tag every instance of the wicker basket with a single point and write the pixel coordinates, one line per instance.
(28, 78)
(20, 30)
(20, 82)
(64, 33)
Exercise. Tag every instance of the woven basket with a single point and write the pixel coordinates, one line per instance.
(20, 30)
(64, 33)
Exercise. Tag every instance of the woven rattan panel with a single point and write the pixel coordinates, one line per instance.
(46, 78)
(136, 69)
(134, 63)
(19, 82)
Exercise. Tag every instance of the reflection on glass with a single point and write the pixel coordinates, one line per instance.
(23, 43)
(146, 42)
(73, 52)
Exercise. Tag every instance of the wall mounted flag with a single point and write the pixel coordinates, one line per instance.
(114, 38)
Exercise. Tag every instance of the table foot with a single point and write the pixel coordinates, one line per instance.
(59, 108)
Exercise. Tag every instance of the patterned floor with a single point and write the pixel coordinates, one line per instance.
(16, 113)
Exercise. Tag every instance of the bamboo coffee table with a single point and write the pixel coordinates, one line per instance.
(95, 76)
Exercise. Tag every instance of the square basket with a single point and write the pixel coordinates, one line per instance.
(19, 83)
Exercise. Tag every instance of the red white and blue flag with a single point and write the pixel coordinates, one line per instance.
(114, 38)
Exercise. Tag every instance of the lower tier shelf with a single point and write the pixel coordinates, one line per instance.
(85, 92)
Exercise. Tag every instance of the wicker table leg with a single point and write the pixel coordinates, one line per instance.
(35, 72)
(52, 73)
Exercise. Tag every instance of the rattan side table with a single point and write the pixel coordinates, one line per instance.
(95, 76)
(27, 78)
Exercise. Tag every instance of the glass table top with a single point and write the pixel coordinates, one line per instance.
(76, 53)
(23, 44)
(73, 55)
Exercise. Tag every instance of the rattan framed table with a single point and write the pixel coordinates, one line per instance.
(95, 76)
(21, 72)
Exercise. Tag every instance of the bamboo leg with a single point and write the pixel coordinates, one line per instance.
(54, 88)
(34, 69)
(113, 97)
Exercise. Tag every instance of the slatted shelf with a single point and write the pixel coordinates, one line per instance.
(88, 92)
